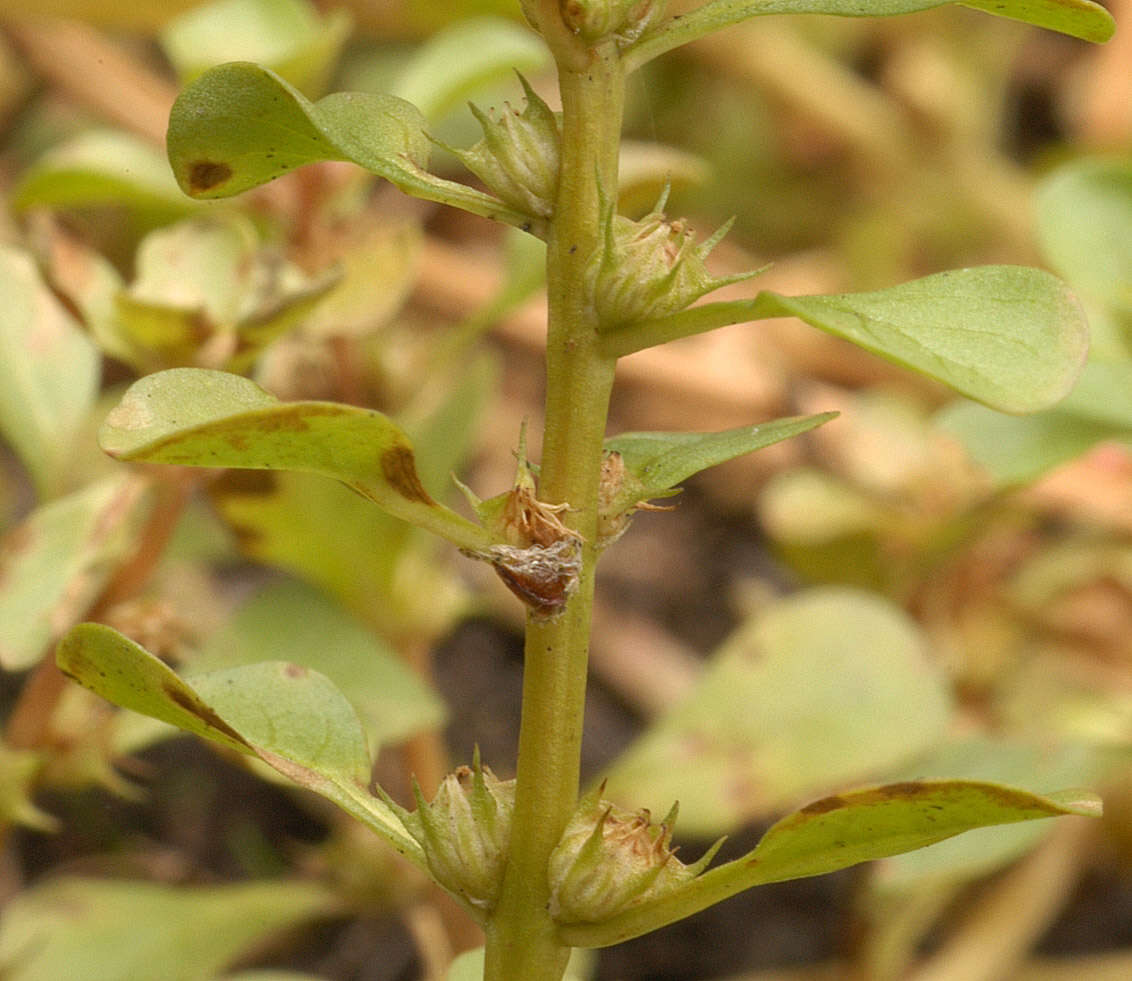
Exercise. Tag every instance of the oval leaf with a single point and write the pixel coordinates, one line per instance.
(1079, 18)
(240, 125)
(102, 167)
(289, 36)
(292, 718)
(1084, 221)
(99, 929)
(48, 372)
(1011, 337)
(453, 64)
(199, 418)
(56, 564)
(840, 831)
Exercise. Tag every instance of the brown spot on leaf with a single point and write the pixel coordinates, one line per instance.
(824, 806)
(295, 671)
(905, 789)
(400, 470)
(204, 713)
(204, 175)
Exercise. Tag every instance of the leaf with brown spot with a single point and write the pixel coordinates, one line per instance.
(837, 832)
(239, 125)
(205, 175)
(193, 417)
(294, 720)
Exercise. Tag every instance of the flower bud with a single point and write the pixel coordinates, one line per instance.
(610, 859)
(624, 19)
(518, 157)
(465, 832)
(649, 268)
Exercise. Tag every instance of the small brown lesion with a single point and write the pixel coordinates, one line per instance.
(823, 806)
(203, 712)
(399, 469)
(204, 175)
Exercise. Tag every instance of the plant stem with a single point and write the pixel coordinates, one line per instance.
(521, 936)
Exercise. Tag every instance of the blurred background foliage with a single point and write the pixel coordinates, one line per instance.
(921, 588)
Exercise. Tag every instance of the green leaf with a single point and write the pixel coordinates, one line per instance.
(324, 534)
(239, 126)
(102, 167)
(291, 622)
(821, 689)
(48, 373)
(1084, 222)
(840, 831)
(287, 36)
(1015, 451)
(1079, 18)
(1025, 766)
(56, 564)
(19, 772)
(289, 716)
(112, 930)
(454, 63)
(1012, 337)
(205, 280)
(657, 461)
(194, 417)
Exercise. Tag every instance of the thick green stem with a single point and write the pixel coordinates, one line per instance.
(522, 944)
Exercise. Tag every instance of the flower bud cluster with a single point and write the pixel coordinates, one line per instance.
(518, 157)
(649, 268)
(465, 831)
(610, 859)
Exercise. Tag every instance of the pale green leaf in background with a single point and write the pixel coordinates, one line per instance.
(19, 774)
(767, 724)
(117, 930)
(102, 167)
(455, 63)
(288, 36)
(207, 284)
(289, 716)
(49, 373)
(1084, 223)
(56, 564)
